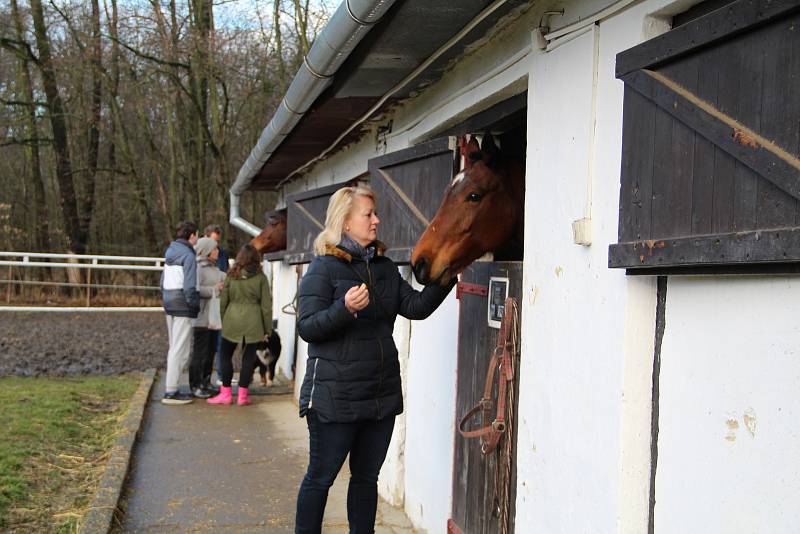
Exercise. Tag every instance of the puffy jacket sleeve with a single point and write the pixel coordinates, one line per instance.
(320, 317)
(266, 306)
(420, 304)
(190, 283)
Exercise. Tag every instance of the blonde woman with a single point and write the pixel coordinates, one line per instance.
(348, 302)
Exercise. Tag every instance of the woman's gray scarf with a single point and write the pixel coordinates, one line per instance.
(365, 253)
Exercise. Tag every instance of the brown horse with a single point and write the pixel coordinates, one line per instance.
(273, 237)
(481, 212)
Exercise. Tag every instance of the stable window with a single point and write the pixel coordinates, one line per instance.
(710, 176)
(305, 220)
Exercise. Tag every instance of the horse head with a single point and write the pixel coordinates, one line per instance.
(273, 237)
(481, 209)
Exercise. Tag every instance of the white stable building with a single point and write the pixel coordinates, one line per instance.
(659, 370)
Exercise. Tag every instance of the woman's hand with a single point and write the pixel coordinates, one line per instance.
(356, 298)
(219, 285)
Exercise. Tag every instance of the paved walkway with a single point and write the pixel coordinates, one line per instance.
(228, 469)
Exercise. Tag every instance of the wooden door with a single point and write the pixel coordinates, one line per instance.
(409, 185)
(473, 510)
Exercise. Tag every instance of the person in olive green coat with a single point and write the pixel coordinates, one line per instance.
(246, 309)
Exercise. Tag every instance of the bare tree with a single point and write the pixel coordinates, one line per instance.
(69, 206)
(42, 226)
(140, 112)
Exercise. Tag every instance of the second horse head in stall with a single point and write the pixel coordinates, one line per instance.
(482, 210)
(273, 237)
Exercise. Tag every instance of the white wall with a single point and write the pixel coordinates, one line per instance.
(430, 416)
(573, 310)
(391, 483)
(587, 341)
(284, 283)
(302, 355)
(729, 406)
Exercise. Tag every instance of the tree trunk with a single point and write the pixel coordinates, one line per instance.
(301, 26)
(113, 25)
(276, 20)
(42, 224)
(93, 148)
(138, 182)
(201, 72)
(69, 206)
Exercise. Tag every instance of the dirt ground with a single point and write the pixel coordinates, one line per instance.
(60, 344)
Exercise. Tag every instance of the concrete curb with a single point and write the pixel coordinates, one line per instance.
(100, 517)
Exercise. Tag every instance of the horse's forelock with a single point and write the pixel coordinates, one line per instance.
(475, 156)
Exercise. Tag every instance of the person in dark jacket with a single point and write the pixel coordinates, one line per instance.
(181, 304)
(348, 302)
(214, 231)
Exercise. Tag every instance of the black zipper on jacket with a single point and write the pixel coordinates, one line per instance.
(380, 345)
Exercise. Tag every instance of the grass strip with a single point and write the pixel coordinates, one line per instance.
(57, 436)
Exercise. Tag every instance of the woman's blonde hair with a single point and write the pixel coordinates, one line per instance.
(339, 207)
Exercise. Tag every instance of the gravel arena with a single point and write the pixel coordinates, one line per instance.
(69, 344)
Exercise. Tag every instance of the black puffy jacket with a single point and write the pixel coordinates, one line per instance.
(352, 371)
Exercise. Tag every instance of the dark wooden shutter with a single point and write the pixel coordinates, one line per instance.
(710, 172)
(409, 185)
(305, 220)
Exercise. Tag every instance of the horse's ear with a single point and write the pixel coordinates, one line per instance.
(471, 151)
(490, 151)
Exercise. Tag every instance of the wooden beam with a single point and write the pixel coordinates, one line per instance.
(300, 257)
(780, 245)
(765, 157)
(422, 150)
(278, 255)
(735, 18)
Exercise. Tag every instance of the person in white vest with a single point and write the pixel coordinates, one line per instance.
(181, 304)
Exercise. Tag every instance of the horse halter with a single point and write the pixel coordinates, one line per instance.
(502, 364)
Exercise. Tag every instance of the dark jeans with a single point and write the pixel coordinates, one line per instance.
(329, 444)
(202, 357)
(226, 363)
(217, 341)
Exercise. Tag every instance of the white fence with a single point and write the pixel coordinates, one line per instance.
(77, 261)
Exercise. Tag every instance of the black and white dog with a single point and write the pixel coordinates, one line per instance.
(267, 354)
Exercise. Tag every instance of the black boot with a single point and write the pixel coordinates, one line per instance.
(200, 393)
(208, 388)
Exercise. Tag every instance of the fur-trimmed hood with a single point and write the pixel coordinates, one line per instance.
(342, 254)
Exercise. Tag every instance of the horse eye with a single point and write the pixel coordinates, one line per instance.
(474, 197)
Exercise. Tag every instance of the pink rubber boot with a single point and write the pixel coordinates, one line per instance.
(224, 396)
(242, 398)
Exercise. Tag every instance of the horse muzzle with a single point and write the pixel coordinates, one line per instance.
(422, 271)
(423, 274)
